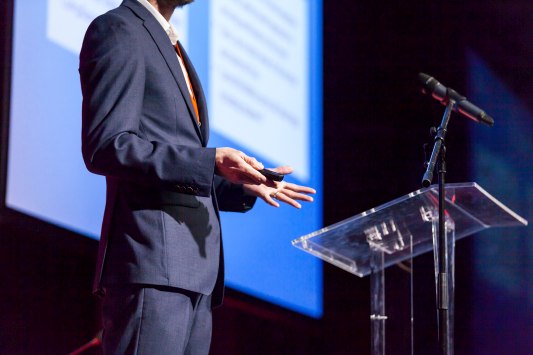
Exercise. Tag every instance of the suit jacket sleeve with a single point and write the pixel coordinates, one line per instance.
(113, 73)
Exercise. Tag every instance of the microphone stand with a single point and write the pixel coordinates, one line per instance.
(437, 158)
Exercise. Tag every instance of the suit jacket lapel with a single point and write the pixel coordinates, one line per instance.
(199, 92)
(169, 54)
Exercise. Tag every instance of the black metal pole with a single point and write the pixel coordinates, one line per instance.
(442, 283)
(440, 137)
(438, 155)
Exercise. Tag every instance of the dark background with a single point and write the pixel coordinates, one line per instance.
(375, 123)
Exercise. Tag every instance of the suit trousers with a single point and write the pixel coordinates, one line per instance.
(146, 319)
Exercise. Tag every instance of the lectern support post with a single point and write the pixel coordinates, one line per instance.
(377, 301)
(445, 281)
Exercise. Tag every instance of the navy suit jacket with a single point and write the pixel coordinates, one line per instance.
(161, 223)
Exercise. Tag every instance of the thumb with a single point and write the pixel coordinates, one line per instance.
(283, 169)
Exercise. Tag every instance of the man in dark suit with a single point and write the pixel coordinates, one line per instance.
(145, 128)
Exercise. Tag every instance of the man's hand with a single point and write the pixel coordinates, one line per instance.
(280, 191)
(237, 167)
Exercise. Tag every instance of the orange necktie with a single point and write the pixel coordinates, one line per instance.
(191, 92)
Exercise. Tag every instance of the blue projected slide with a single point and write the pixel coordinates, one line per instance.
(260, 65)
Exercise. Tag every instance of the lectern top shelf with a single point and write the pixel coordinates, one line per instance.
(404, 223)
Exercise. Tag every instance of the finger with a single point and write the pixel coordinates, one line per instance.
(281, 196)
(249, 172)
(298, 196)
(268, 199)
(240, 175)
(299, 188)
(253, 162)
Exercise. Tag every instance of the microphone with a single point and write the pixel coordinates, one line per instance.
(440, 92)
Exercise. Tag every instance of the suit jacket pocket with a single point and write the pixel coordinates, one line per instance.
(155, 199)
(177, 198)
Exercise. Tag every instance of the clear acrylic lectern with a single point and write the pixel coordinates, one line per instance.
(406, 227)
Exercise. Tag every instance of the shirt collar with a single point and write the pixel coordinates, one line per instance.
(167, 26)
